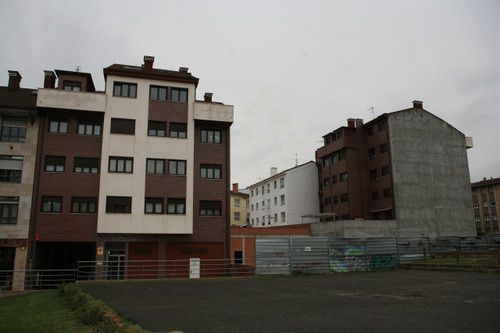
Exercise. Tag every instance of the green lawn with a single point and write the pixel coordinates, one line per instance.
(42, 311)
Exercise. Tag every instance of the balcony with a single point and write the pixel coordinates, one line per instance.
(70, 100)
(213, 112)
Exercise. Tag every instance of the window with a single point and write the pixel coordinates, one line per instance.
(344, 197)
(381, 127)
(157, 128)
(83, 205)
(263, 204)
(375, 195)
(51, 204)
(178, 130)
(177, 167)
(282, 182)
(72, 86)
(211, 208)
(373, 174)
(335, 199)
(257, 191)
(251, 207)
(334, 179)
(155, 166)
(121, 164)
(123, 89)
(385, 170)
(269, 203)
(89, 128)
(283, 217)
(383, 148)
(369, 131)
(326, 181)
(251, 193)
(275, 201)
(275, 184)
(211, 136)
(326, 161)
(179, 95)
(262, 189)
(371, 153)
(268, 187)
(153, 206)
(342, 155)
(55, 163)
(387, 192)
(236, 202)
(11, 168)
(210, 171)
(9, 206)
(86, 165)
(237, 216)
(157, 93)
(257, 206)
(13, 129)
(282, 199)
(119, 205)
(58, 126)
(343, 177)
(122, 126)
(275, 218)
(328, 201)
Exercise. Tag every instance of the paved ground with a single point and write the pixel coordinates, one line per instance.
(415, 301)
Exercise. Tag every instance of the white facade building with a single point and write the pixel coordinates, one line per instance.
(285, 197)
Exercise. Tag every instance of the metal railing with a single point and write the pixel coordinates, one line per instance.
(35, 279)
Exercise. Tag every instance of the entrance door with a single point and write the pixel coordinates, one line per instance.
(7, 255)
(115, 266)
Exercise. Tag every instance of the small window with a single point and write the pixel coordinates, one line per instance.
(237, 202)
(89, 128)
(268, 186)
(13, 129)
(381, 126)
(275, 184)
(121, 164)
(383, 148)
(177, 167)
(210, 171)
(153, 206)
(58, 126)
(51, 204)
(344, 197)
(283, 218)
(122, 126)
(275, 201)
(335, 199)
(157, 93)
(386, 170)
(157, 128)
(55, 163)
(9, 207)
(176, 206)
(155, 166)
(343, 177)
(211, 136)
(11, 169)
(387, 192)
(371, 153)
(375, 195)
(282, 182)
(179, 95)
(342, 155)
(211, 208)
(119, 205)
(178, 130)
(84, 205)
(86, 165)
(123, 89)
(373, 174)
(334, 179)
(72, 85)
(282, 199)
(236, 216)
(327, 161)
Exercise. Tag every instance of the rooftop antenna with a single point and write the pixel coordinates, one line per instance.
(372, 109)
(77, 68)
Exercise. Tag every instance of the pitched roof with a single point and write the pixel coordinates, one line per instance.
(155, 73)
(90, 82)
(486, 182)
(280, 174)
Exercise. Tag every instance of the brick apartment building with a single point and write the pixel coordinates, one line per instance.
(486, 209)
(407, 165)
(139, 171)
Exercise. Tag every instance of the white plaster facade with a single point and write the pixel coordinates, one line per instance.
(293, 192)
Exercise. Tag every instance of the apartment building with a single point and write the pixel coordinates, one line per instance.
(407, 165)
(484, 202)
(139, 171)
(239, 207)
(285, 198)
(18, 142)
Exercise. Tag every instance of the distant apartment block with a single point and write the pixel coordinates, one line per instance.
(285, 198)
(407, 165)
(239, 207)
(485, 195)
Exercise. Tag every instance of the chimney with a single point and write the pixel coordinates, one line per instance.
(359, 123)
(183, 69)
(148, 62)
(274, 171)
(14, 80)
(235, 187)
(418, 104)
(49, 80)
(208, 97)
(350, 122)
(484, 178)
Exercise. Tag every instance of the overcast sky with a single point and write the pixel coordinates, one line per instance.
(294, 70)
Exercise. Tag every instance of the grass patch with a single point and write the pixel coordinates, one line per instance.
(42, 311)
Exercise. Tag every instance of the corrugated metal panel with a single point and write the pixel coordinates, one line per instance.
(309, 254)
(382, 252)
(413, 249)
(272, 255)
(348, 255)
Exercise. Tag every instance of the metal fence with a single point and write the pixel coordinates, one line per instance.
(35, 279)
(288, 255)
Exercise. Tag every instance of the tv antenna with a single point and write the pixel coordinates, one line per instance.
(77, 68)
(372, 109)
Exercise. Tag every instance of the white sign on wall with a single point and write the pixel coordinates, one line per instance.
(194, 268)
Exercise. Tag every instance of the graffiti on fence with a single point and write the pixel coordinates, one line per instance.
(348, 258)
(383, 262)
